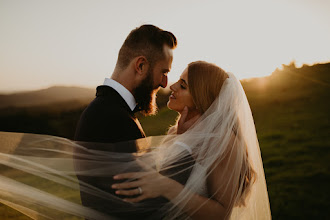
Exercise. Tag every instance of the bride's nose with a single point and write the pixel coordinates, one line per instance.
(172, 87)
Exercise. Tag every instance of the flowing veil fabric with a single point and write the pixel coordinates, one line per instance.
(38, 173)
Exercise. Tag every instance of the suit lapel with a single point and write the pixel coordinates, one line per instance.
(107, 91)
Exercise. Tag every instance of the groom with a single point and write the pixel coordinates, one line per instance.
(143, 62)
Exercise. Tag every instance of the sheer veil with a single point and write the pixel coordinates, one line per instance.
(39, 173)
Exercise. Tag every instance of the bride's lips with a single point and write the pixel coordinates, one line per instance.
(172, 96)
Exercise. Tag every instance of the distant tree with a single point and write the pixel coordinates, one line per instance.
(290, 66)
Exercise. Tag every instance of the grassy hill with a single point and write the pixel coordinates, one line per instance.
(47, 96)
(291, 112)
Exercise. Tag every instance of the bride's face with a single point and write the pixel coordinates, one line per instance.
(181, 96)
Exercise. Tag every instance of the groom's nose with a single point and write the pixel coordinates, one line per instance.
(164, 81)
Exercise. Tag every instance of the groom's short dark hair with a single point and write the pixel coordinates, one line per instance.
(146, 40)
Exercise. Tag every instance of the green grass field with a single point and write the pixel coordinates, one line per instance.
(291, 112)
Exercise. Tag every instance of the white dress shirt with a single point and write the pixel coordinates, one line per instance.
(123, 92)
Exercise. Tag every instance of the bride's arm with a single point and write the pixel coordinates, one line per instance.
(197, 207)
(218, 206)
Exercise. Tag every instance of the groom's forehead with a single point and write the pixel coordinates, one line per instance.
(164, 65)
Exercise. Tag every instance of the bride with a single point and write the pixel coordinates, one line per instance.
(222, 142)
(208, 166)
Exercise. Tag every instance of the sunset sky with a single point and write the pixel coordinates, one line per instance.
(76, 42)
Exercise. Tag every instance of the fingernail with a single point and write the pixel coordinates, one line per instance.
(114, 186)
(115, 177)
(117, 192)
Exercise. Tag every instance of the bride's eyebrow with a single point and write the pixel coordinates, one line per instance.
(184, 81)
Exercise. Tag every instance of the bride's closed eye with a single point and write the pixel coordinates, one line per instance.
(183, 84)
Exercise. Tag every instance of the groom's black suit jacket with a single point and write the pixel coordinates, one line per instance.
(108, 119)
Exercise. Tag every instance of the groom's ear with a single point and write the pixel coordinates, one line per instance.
(141, 65)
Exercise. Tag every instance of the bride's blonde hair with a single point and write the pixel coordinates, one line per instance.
(205, 81)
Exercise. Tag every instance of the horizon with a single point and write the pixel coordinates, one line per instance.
(167, 87)
(75, 43)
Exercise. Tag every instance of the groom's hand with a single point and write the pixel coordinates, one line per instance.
(147, 185)
(184, 124)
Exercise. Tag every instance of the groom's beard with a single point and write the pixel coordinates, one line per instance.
(145, 95)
